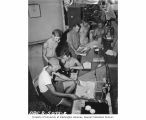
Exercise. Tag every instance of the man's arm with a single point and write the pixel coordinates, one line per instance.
(63, 77)
(69, 40)
(79, 65)
(45, 52)
(59, 94)
(53, 91)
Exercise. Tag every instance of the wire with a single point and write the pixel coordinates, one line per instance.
(97, 68)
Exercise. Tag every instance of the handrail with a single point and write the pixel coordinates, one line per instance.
(37, 42)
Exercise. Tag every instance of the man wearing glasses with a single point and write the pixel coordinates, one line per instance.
(49, 47)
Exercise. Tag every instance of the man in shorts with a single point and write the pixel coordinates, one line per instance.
(56, 92)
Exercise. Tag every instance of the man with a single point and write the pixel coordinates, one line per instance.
(99, 31)
(56, 92)
(96, 37)
(70, 62)
(49, 47)
(84, 32)
(69, 65)
(73, 40)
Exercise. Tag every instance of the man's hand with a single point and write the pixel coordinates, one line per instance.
(63, 77)
(84, 97)
(74, 97)
(77, 53)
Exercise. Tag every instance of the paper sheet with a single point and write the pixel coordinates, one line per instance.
(87, 65)
(82, 50)
(86, 89)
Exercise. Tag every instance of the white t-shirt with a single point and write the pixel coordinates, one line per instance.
(44, 79)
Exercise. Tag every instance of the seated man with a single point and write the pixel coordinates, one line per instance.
(99, 31)
(69, 64)
(56, 92)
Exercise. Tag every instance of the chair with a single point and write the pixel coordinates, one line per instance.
(35, 84)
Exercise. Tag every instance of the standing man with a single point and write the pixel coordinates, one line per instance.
(49, 47)
(96, 36)
(84, 32)
(73, 40)
(56, 92)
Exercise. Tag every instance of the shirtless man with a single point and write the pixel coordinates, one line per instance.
(83, 33)
(95, 37)
(70, 62)
(49, 47)
(99, 31)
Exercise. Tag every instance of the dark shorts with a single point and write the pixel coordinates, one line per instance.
(51, 98)
(44, 61)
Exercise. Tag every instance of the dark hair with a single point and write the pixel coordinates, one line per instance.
(49, 64)
(100, 21)
(67, 53)
(77, 24)
(57, 32)
(103, 2)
